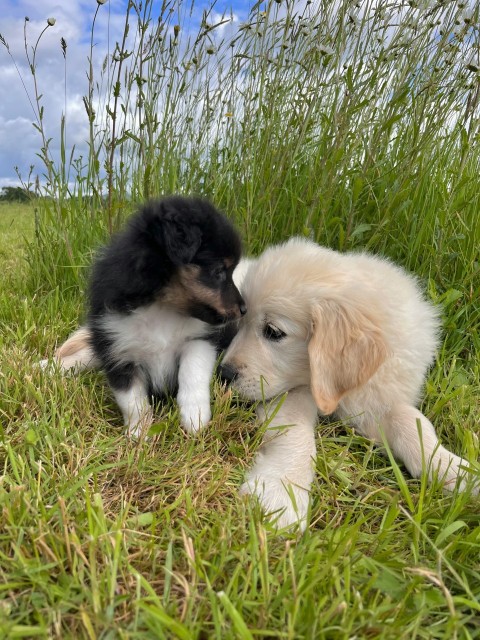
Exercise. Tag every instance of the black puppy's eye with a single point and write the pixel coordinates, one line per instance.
(219, 273)
(271, 332)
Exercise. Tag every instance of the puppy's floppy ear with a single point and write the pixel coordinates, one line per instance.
(179, 234)
(345, 350)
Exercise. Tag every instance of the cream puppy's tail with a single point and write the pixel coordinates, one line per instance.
(75, 354)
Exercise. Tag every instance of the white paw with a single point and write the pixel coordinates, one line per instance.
(455, 472)
(284, 502)
(138, 425)
(194, 417)
(69, 365)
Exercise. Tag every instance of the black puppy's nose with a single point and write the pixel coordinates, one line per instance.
(243, 308)
(227, 373)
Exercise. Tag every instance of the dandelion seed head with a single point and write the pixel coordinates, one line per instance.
(51, 22)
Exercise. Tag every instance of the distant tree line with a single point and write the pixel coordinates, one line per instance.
(15, 194)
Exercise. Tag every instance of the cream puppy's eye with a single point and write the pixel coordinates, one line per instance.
(271, 332)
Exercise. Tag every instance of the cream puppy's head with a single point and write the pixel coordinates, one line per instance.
(311, 320)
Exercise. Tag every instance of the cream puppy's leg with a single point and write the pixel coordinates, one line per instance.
(283, 469)
(412, 439)
(194, 374)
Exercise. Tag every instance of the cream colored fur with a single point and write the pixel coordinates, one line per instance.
(359, 335)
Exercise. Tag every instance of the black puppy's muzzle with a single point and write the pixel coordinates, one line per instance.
(233, 303)
(227, 373)
(238, 311)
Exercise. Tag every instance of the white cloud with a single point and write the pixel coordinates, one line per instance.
(19, 141)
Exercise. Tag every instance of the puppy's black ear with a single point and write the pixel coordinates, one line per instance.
(180, 236)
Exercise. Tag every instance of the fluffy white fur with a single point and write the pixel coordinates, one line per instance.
(283, 470)
(349, 334)
(163, 339)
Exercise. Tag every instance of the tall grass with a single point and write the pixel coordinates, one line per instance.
(352, 125)
(355, 125)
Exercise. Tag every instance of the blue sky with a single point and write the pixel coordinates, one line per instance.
(19, 141)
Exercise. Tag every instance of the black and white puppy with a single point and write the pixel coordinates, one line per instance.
(159, 296)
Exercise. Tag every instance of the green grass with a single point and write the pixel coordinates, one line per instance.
(102, 537)
(339, 129)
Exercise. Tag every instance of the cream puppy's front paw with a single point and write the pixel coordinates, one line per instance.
(283, 469)
(283, 501)
(454, 472)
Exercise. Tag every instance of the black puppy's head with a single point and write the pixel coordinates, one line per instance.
(204, 248)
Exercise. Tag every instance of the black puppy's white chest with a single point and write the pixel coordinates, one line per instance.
(153, 338)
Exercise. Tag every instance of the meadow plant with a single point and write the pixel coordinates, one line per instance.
(352, 124)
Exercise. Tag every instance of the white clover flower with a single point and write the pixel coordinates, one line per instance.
(305, 27)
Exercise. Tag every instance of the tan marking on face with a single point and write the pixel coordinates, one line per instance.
(185, 288)
(177, 293)
(228, 262)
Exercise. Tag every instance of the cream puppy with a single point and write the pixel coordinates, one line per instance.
(347, 334)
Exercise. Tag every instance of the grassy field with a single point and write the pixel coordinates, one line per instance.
(102, 537)
(349, 139)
